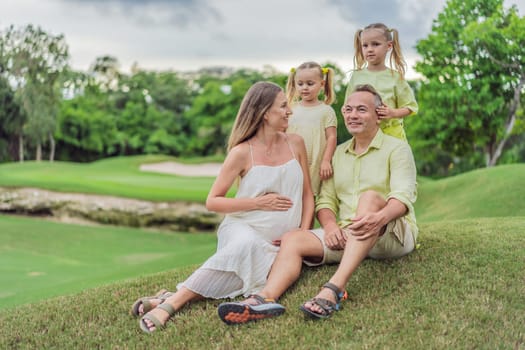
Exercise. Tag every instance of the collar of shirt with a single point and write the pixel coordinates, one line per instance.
(376, 143)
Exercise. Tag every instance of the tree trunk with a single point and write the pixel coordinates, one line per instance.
(38, 152)
(52, 148)
(509, 125)
(21, 148)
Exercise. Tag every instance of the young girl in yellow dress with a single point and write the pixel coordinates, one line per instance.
(372, 45)
(312, 118)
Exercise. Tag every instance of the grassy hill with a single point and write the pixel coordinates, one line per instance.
(462, 289)
(492, 192)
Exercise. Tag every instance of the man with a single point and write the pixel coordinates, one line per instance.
(372, 192)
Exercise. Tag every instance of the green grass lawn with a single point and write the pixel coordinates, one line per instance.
(118, 176)
(463, 289)
(41, 259)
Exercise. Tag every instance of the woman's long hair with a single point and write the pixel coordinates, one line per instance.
(257, 101)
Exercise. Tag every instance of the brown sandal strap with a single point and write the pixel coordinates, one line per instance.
(339, 294)
(168, 308)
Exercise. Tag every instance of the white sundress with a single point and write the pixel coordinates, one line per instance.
(245, 252)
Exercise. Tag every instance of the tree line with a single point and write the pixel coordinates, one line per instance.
(470, 94)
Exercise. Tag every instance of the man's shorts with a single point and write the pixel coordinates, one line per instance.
(397, 241)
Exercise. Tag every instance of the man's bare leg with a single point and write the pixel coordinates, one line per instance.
(354, 253)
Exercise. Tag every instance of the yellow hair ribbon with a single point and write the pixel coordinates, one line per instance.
(292, 70)
(324, 70)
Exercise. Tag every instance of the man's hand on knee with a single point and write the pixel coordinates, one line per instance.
(366, 226)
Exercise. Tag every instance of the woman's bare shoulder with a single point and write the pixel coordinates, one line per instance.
(239, 157)
(295, 139)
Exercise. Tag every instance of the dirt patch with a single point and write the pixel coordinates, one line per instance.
(174, 168)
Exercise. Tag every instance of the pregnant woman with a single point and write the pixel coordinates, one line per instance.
(274, 196)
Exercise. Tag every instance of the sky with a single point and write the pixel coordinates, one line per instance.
(186, 35)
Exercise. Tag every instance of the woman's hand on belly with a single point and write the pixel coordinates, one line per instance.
(273, 202)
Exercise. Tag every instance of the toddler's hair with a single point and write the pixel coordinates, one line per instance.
(390, 34)
(325, 73)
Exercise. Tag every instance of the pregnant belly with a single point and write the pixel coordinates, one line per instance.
(269, 226)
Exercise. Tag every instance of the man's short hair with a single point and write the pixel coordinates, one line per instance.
(378, 101)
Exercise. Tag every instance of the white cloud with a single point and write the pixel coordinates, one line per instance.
(189, 34)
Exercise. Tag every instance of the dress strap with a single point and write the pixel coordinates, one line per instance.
(289, 146)
(251, 153)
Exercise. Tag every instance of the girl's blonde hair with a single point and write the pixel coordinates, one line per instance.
(256, 102)
(390, 35)
(325, 73)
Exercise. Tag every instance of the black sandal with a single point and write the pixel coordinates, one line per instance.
(328, 307)
(240, 312)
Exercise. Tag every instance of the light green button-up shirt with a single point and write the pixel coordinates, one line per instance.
(386, 167)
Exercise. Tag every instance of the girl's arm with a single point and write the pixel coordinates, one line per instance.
(406, 103)
(385, 112)
(326, 170)
(308, 197)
